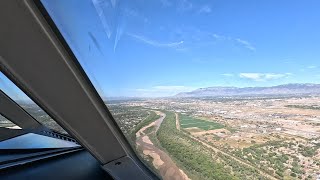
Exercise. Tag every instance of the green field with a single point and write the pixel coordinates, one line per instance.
(188, 122)
(197, 160)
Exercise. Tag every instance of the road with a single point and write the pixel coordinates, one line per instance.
(177, 121)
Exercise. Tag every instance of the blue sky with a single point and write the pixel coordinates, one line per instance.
(162, 47)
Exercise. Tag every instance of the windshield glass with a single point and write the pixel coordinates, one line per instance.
(205, 89)
(4, 122)
(11, 90)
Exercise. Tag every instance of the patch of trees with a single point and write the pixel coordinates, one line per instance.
(152, 117)
(308, 151)
(257, 154)
(197, 159)
(189, 153)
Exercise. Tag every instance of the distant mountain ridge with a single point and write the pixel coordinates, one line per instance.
(285, 89)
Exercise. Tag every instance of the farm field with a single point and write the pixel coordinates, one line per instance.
(191, 122)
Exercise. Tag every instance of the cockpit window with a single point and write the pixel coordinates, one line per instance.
(11, 90)
(205, 89)
(4, 122)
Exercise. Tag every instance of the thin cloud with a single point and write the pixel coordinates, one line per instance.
(180, 5)
(129, 12)
(227, 75)
(216, 36)
(184, 5)
(171, 88)
(312, 67)
(211, 38)
(166, 3)
(205, 9)
(246, 44)
(264, 76)
(165, 88)
(194, 38)
(155, 43)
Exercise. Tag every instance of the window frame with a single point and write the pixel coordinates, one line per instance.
(103, 138)
(16, 114)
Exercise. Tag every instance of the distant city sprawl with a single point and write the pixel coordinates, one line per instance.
(274, 137)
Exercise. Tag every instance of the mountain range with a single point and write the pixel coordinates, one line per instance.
(286, 89)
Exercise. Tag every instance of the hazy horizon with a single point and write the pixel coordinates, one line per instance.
(155, 97)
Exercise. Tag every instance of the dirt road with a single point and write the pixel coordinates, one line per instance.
(177, 121)
(161, 161)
